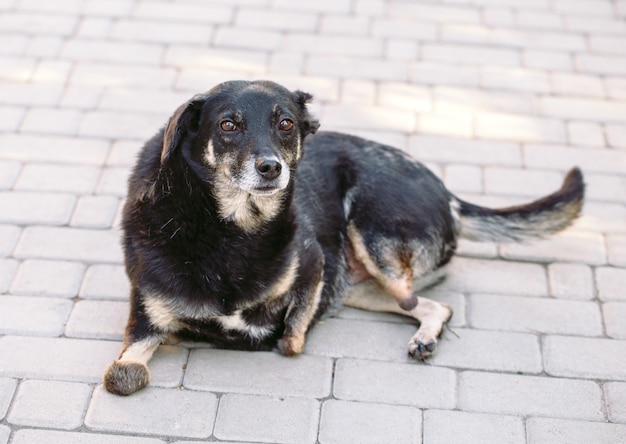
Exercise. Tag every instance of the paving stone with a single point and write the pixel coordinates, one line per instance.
(7, 389)
(34, 148)
(571, 246)
(616, 249)
(335, 24)
(404, 28)
(60, 405)
(615, 135)
(488, 350)
(477, 276)
(434, 12)
(11, 117)
(606, 188)
(350, 422)
(558, 431)
(185, 12)
(267, 419)
(611, 283)
(5, 432)
(48, 278)
(129, 76)
(73, 360)
(130, 125)
(453, 150)
(614, 315)
(160, 32)
(95, 211)
(527, 314)
(153, 411)
(395, 383)
(409, 97)
(262, 373)
(457, 99)
(454, 123)
(8, 268)
(37, 23)
(521, 182)
(98, 320)
(62, 178)
(585, 357)
(278, 19)
(577, 85)
(124, 153)
(584, 109)
(515, 79)
(368, 117)
(519, 128)
(9, 235)
(42, 436)
(168, 365)
(359, 68)
(36, 208)
(229, 59)
(464, 178)
(550, 60)
(52, 121)
(112, 52)
(114, 181)
(359, 339)
(443, 74)
(33, 316)
(105, 282)
(615, 395)
(571, 281)
(530, 396)
(603, 217)
(452, 427)
(70, 244)
(615, 87)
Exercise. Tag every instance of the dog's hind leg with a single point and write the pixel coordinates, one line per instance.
(432, 315)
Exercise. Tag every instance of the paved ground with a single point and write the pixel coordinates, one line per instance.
(499, 97)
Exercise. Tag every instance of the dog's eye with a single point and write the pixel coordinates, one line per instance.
(228, 125)
(285, 124)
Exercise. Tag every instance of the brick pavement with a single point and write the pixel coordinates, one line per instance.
(498, 97)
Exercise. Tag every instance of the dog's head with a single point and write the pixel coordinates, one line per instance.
(249, 135)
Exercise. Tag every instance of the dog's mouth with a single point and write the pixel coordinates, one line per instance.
(264, 191)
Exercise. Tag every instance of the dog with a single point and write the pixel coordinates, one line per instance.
(239, 232)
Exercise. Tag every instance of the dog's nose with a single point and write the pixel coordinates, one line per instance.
(268, 167)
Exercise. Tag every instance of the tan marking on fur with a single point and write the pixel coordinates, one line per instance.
(210, 154)
(400, 286)
(285, 282)
(293, 343)
(161, 315)
(140, 351)
(237, 323)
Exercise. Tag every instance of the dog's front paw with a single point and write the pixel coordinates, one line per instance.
(422, 346)
(126, 377)
(291, 345)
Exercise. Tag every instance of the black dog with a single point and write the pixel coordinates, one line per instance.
(239, 233)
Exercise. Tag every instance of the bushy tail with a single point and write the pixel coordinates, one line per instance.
(534, 220)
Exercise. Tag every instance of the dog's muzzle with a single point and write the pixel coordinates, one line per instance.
(268, 167)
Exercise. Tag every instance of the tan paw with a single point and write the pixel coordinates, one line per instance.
(291, 345)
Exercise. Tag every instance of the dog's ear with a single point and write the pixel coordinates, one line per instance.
(183, 122)
(310, 125)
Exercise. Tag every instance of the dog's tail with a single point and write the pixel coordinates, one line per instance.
(534, 220)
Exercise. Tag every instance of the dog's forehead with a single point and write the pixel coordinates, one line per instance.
(257, 98)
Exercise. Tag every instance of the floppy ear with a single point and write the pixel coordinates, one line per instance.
(185, 120)
(310, 125)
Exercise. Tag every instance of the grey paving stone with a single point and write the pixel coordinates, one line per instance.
(114, 181)
(95, 211)
(530, 396)
(9, 235)
(616, 249)
(489, 350)
(263, 373)
(571, 281)
(153, 411)
(611, 283)
(8, 268)
(543, 315)
(98, 320)
(48, 278)
(59, 405)
(64, 359)
(9, 170)
(7, 389)
(267, 419)
(41, 436)
(36, 208)
(70, 244)
(33, 316)
(360, 339)
(62, 178)
(558, 431)
(35, 148)
(615, 395)
(394, 383)
(494, 276)
(168, 365)
(455, 427)
(352, 422)
(614, 319)
(105, 282)
(585, 357)
(5, 432)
